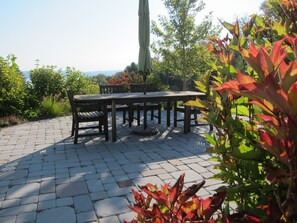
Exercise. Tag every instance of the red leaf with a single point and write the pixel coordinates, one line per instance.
(277, 54)
(265, 61)
(175, 191)
(252, 57)
(230, 86)
(293, 41)
(292, 95)
(273, 145)
(288, 74)
(191, 191)
(265, 105)
(159, 215)
(236, 29)
(211, 205)
(190, 206)
(277, 175)
(159, 196)
(268, 119)
(139, 198)
(244, 79)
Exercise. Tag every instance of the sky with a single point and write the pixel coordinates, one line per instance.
(88, 35)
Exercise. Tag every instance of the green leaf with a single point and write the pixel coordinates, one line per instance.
(211, 139)
(259, 21)
(197, 103)
(279, 28)
(200, 86)
(218, 102)
(241, 100)
(247, 153)
(228, 26)
(228, 69)
(240, 110)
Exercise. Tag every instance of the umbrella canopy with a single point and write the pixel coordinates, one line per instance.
(144, 58)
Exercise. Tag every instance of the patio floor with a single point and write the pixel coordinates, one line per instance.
(44, 177)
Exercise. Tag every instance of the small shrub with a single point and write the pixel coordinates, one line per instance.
(173, 205)
(51, 107)
(31, 114)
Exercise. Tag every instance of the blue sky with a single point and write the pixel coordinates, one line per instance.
(87, 34)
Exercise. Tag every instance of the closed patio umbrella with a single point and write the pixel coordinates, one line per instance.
(144, 58)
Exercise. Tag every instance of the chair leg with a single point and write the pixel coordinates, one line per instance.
(159, 116)
(72, 130)
(211, 127)
(76, 132)
(131, 116)
(100, 126)
(106, 130)
(138, 116)
(124, 116)
(152, 114)
(195, 117)
(175, 114)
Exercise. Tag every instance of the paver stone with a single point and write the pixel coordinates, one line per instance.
(72, 189)
(111, 206)
(61, 214)
(23, 190)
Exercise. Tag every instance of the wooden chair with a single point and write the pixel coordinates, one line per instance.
(145, 106)
(88, 112)
(194, 111)
(111, 89)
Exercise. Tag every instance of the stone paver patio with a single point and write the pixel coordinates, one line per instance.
(44, 177)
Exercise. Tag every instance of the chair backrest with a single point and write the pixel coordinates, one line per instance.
(142, 88)
(110, 89)
(70, 97)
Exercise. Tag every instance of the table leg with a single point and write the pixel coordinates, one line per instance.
(187, 120)
(113, 121)
(168, 113)
(144, 117)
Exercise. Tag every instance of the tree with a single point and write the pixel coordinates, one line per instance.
(132, 68)
(46, 81)
(181, 43)
(99, 79)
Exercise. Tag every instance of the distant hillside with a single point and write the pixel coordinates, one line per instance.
(89, 73)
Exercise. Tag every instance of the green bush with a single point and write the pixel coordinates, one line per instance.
(46, 81)
(78, 83)
(31, 114)
(12, 87)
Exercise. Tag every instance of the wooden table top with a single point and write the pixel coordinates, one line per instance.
(159, 95)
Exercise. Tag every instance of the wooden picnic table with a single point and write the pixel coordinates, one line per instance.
(130, 98)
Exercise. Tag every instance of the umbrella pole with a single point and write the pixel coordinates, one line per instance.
(144, 110)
